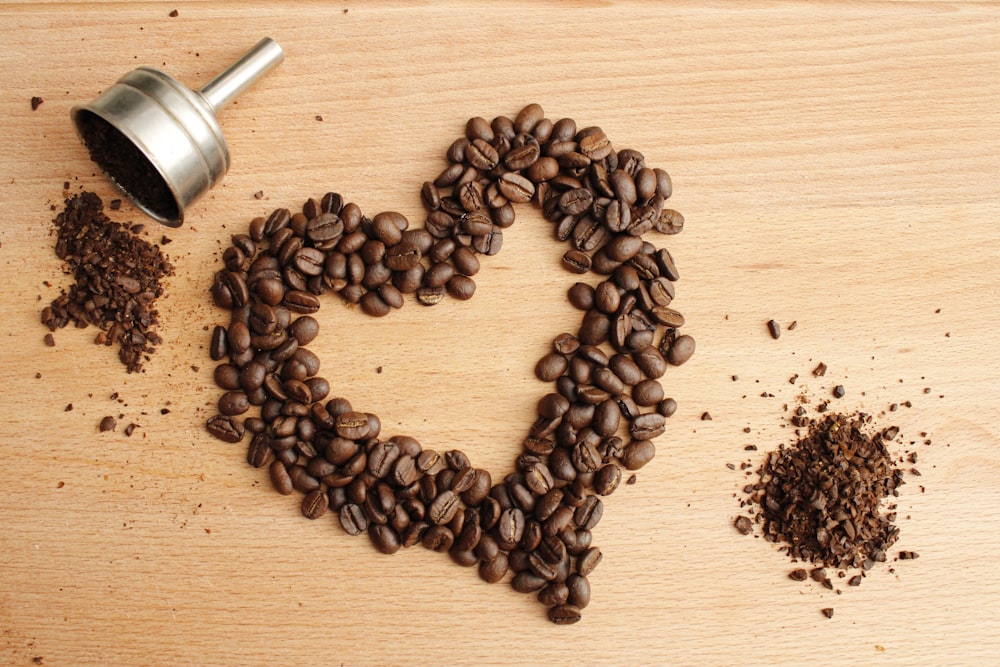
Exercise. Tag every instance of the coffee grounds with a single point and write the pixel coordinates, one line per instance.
(822, 498)
(127, 166)
(117, 280)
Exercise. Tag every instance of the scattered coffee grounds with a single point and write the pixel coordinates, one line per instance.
(36, 102)
(606, 404)
(822, 498)
(774, 329)
(127, 166)
(117, 280)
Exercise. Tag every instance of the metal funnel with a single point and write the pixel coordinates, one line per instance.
(159, 141)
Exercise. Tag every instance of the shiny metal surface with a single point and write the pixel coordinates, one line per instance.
(175, 130)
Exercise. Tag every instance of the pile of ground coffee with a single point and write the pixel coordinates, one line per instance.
(117, 279)
(822, 498)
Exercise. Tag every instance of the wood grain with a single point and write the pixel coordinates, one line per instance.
(836, 163)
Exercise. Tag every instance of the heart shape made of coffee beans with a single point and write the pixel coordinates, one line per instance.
(607, 405)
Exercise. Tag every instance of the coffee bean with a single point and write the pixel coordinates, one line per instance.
(516, 188)
(680, 350)
(526, 581)
(589, 560)
(443, 508)
(494, 569)
(510, 528)
(353, 519)
(638, 453)
(233, 403)
(384, 538)
(647, 393)
(226, 428)
(581, 296)
(564, 614)
(607, 479)
(550, 367)
(352, 425)
(315, 504)
(576, 261)
(651, 362)
(481, 155)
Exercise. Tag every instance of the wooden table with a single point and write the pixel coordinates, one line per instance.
(837, 166)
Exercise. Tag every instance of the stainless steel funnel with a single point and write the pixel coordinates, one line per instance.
(159, 141)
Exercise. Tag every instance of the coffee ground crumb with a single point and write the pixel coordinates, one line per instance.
(774, 329)
(36, 102)
(107, 424)
(821, 498)
(117, 279)
(827, 611)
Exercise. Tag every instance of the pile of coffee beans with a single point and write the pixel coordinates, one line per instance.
(117, 278)
(606, 403)
(823, 498)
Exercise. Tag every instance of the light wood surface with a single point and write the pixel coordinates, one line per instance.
(837, 165)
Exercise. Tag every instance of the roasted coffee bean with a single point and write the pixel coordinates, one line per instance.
(384, 538)
(494, 569)
(259, 453)
(588, 561)
(669, 222)
(278, 219)
(538, 479)
(651, 362)
(579, 590)
(352, 425)
(510, 528)
(647, 393)
(551, 366)
(637, 454)
(647, 426)
(438, 538)
(233, 403)
(667, 407)
(481, 155)
(516, 188)
(607, 479)
(226, 428)
(607, 299)
(443, 508)
(626, 369)
(680, 350)
(564, 614)
(315, 504)
(581, 296)
(668, 317)
(589, 513)
(279, 478)
(576, 261)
